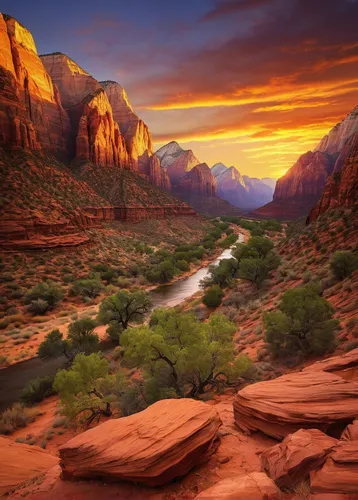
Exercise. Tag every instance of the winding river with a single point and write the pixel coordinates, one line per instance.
(14, 378)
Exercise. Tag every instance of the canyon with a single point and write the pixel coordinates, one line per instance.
(302, 186)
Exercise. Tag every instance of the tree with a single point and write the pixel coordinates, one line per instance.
(343, 264)
(123, 308)
(257, 248)
(255, 270)
(79, 387)
(91, 287)
(213, 296)
(168, 350)
(303, 324)
(223, 273)
(81, 337)
(53, 346)
(48, 292)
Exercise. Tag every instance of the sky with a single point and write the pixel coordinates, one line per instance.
(250, 83)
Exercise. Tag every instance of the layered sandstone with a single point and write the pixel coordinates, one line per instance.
(340, 472)
(335, 140)
(310, 399)
(259, 192)
(151, 447)
(291, 461)
(231, 187)
(181, 165)
(31, 113)
(199, 180)
(341, 190)
(136, 134)
(341, 365)
(169, 153)
(350, 433)
(250, 486)
(20, 463)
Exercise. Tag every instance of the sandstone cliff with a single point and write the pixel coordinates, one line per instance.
(341, 190)
(136, 134)
(335, 140)
(31, 114)
(199, 180)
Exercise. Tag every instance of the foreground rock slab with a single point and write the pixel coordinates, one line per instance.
(20, 463)
(299, 400)
(252, 486)
(291, 461)
(151, 447)
(350, 433)
(339, 474)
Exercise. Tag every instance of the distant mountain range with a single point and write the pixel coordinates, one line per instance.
(187, 174)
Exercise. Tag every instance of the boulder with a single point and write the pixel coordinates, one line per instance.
(335, 363)
(350, 433)
(299, 400)
(254, 486)
(291, 461)
(339, 474)
(20, 463)
(151, 447)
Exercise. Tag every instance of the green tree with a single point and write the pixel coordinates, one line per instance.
(81, 336)
(53, 346)
(223, 273)
(303, 323)
(90, 287)
(123, 308)
(343, 264)
(168, 349)
(47, 291)
(213, 296)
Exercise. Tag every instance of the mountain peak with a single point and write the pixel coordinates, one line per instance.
(218, 169)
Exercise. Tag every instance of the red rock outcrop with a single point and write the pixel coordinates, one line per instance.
(181, 166)
(136, 214)
(31, 114)
(169, 153)
(151, 447)
(350, 433)
(340, 365)
(335, 140)
(199, 180)
(286, 404)
(251, 486)
(20, 463)
(291, 461)
(341, 190)
(340, 472)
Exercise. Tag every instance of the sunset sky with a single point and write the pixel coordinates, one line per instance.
(250, 83)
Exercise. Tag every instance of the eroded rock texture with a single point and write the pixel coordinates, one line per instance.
(306, 400)
(151, 447)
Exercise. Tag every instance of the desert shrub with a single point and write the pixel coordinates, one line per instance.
(213, 296)
(81, 336)
(303, 324)
(353, 344)
(36, 390)
(14, 418)
(39, 306)
(114, 331)
(46, 291)
(90, 287)
(343, 263)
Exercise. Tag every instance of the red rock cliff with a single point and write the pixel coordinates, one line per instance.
(31, 114)
(136, 134)
(199, 180)
(341, 189)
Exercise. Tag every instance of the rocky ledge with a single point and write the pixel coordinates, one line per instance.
(151, 447)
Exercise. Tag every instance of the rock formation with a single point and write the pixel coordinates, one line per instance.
(199, 180)
(31, 114)
(310, 399)
(301, 187)
(136, 134)
(340, 472)
(345, 365)
(259, 192)
(341, 189)
(251, 486)
(20, 463)
(218, 169)
(169, 153)
(291, 461)
(350, 433)
(151, 447)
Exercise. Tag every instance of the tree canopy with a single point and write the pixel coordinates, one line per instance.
(303, 324)
(343, 264)
(168, 349)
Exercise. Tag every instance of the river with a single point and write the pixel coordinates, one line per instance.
(14, 378)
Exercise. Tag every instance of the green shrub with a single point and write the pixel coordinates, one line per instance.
(353, 344)
(213, 296)
(343, 263)
(36, 390)
(90, 288)
(46, 291)
(39, 306)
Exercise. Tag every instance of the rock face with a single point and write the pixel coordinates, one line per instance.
(291, 461)
(301, 187)
(169, 153)
(306, 400)
(259, 192)
(20, 463)
(151, 447)
(252, 486)
(350, 433)
(341, 190)
(340, 472)
(136, 134)
(31, 114)
(199, 181)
